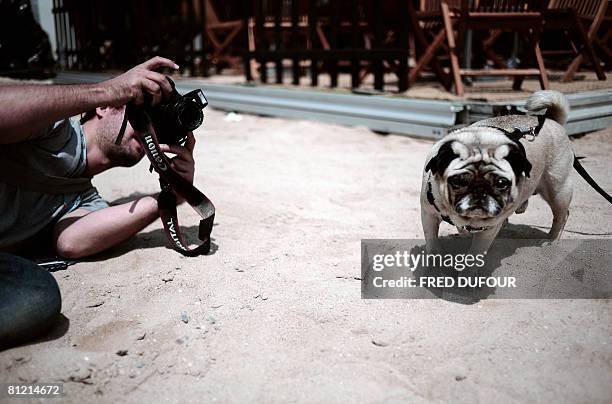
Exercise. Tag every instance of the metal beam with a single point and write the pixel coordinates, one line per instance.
(423, 118)
(590, 110)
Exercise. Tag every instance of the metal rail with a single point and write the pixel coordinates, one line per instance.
(590, 110)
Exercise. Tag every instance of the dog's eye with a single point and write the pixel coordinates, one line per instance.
(502, 184)
(458, 181)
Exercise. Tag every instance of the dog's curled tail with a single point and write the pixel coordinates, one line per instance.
(555, 104)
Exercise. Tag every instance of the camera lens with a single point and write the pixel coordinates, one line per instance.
(189, 115)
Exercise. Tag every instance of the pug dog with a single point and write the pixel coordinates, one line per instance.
(478, 176)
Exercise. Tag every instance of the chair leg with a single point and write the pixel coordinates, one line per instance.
(221, 45)
(533, 39)
(230, 38)
(518, 80)
(322, 37)
(490, 41)
(363, 73)
(487, 45)
(212, 37)
(604, 46)
(429, 53)
(421, 41)
(450, 37)
(587, 48)
(251, 47)
(572, 69)
(540, 61)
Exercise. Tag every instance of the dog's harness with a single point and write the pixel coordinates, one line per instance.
(515, 127)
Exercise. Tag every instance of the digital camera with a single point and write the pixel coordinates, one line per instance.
(177, 115)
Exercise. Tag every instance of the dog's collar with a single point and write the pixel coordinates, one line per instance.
(474, 229)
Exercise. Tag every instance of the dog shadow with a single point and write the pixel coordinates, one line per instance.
(521, 236)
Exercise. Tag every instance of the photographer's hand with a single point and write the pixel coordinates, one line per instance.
(183, 163)
(140, 80)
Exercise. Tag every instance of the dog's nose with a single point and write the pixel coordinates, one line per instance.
(479, 194)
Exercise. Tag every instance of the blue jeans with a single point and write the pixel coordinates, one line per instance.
(30, 300)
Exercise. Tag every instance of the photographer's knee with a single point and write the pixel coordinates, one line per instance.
(29, 298)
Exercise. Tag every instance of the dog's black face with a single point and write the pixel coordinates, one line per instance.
(479, 184)
(479, 192)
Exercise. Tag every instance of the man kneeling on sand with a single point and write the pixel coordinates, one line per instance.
(39, 142)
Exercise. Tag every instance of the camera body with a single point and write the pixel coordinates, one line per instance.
(177, 115)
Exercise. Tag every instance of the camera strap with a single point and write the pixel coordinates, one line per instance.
(171, 181)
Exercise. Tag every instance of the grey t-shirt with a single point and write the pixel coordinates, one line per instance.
(59, 150)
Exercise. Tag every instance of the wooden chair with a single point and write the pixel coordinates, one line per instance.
(379, 28)
(522, 16)
(220, 34)
(604, 39)
(573, 17)
(429, 34)
(273, 26)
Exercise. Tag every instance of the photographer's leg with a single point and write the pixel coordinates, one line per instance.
(30, 300)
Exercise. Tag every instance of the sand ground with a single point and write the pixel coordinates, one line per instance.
(275, 314)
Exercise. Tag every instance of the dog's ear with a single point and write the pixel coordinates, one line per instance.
(518, 160)
(440, 161)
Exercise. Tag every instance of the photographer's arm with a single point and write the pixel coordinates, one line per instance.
(25, 109)
(82, 233)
